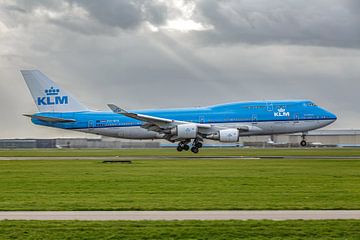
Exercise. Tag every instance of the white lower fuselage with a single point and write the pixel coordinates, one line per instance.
(261, 128)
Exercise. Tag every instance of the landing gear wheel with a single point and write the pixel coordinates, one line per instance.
(303, 143)
(199, 145)
(186, 147)
(179, 148)
(194, 149)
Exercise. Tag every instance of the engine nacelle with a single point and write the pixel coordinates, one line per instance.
(226, 135)
(229, 135)
(186, 131)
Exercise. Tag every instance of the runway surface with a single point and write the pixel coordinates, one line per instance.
(181, 215)
(179, 157)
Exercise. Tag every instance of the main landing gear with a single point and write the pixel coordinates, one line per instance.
(196, 145)
(183, 146)
(194, 148)
(303, 142)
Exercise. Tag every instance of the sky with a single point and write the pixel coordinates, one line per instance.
(180, 53)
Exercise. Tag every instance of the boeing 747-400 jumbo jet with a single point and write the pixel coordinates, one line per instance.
(188, 126)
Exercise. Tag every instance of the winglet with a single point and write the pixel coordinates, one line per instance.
(116, 109)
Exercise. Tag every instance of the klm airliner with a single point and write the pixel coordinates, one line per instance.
(188, 126)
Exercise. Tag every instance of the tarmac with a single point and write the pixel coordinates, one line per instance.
(179, 157)
(181, 215)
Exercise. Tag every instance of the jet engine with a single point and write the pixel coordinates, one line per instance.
(226, 135)
(186, 131)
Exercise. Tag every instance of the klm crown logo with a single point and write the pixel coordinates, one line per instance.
(281, 112)
(52, 98)
(52, 91)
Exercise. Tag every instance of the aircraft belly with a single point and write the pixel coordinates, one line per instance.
(295, 126)
(279, 127)
(136, 133)
(124, 132)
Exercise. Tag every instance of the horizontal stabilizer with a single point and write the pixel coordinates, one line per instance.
(50, 119)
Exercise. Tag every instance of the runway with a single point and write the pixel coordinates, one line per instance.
(181, 215)
(194, 157)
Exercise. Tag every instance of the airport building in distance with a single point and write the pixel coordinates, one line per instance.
(318, 138)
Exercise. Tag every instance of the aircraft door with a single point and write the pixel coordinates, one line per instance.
(296, 118)
(254, 119)
(91, 124)
(201, 119)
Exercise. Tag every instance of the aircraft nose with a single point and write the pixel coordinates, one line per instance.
(331, 116)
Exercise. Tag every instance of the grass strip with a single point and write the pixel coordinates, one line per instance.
(320, 229)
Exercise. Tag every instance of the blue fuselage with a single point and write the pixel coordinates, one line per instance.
(268, 115)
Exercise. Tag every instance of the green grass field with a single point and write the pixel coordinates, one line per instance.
(173, 152)
(180, 184)
(345, 229)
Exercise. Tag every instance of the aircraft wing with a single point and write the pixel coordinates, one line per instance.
(164, 125)
(151, 121)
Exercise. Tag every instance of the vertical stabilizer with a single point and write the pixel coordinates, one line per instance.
(48, 96)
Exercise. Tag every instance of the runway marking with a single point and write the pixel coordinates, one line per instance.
(181, 215)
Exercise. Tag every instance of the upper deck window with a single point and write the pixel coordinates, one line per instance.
(254, 107)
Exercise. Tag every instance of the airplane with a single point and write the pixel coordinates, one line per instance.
(187, 126)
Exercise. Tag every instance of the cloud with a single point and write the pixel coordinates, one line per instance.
(332, 23)
(87, 16)
(124, 14)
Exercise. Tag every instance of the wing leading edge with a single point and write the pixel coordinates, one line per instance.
(161, 122)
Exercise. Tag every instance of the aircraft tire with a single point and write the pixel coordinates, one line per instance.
(303, 143)
(194, 149)
(186, 147)
(179, 148)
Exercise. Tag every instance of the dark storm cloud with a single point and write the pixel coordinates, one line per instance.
(332, 23)
(123, 14)
(104, 17)
(28, 5)
(14, 8)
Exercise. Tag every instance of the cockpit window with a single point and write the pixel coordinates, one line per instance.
(311, 104)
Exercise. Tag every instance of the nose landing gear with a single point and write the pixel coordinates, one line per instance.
(303, 142)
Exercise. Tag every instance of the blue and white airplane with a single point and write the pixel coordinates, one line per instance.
(188, 126)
